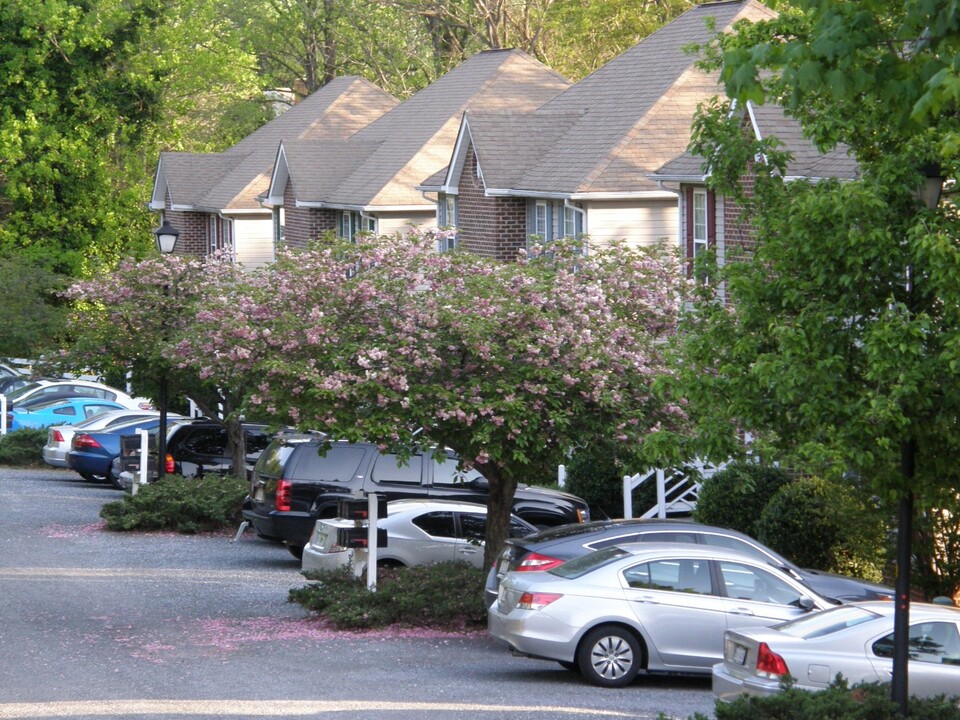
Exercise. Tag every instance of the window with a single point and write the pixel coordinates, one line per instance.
(436, 524)
(352, 223)
(473, 526)
(699, 222)
(91, 410)
(540, 221)
(572, 222)
(346, 225)
(339, 464)
(930, 642)
(733, 543)
(447, 473)
(65, 410)
(388, 468)
(279, 220)
(684, 575)
(744, 582)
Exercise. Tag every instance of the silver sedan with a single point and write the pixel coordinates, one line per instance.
(855, 641)
(654, 607)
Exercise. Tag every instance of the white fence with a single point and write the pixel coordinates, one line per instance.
(677, 488)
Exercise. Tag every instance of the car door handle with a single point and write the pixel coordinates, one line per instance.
(469, 550)
(646, 599)
(742, 611)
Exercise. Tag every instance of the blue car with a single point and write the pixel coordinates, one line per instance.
(64, 411)
(92, 453)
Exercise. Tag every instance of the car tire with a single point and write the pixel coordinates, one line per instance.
(115, 481)
(610, 656)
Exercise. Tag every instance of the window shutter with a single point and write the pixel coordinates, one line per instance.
(688, 228)
(711, 219)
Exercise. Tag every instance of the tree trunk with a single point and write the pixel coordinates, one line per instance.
(499, 506)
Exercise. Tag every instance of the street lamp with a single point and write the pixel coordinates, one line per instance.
(929, 194)
(167, 236)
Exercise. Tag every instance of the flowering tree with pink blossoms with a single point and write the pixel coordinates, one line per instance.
(511, 365)
(134, 318)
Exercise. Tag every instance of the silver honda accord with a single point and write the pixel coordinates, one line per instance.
(643, 607)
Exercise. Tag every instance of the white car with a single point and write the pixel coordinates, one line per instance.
(418, 532)
(59, 437)
(41, 391)
(855, 641)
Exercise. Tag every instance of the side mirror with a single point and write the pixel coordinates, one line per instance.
(480, 483)
(805, 603)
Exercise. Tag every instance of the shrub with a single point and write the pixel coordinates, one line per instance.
(186, 505)
(735, 496)
(596, 475)
(23, 446)
(441, 595)
(827, 526)
(838, 702)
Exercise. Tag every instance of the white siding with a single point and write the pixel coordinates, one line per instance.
(253, 238)
(640, 222)
(389, 223)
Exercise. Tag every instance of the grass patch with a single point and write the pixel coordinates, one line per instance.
(184, 505)
(441, 596)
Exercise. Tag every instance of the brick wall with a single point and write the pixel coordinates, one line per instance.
(493, 227)
(193, 231)
(739, 234)
(303, 225)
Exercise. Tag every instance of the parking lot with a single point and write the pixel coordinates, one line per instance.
(99, 624)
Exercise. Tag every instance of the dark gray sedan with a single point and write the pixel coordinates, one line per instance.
(644, 607)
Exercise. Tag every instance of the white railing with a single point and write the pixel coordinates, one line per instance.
(677, 488)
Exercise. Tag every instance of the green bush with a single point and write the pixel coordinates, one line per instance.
(596, 475)
(735, 496)
(186, 505)
(838, 702)
(23, 447)
(441, 595)
(827, 526)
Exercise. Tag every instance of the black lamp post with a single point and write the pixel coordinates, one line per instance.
(929, 194)
(167, 236)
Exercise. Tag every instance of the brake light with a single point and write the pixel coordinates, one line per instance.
(769, 663)
(85, 442)
(536, 561)
(284, 491)
(56, 436)
(537, 601)
(169, 466)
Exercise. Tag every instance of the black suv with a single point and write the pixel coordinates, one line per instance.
(293, 485)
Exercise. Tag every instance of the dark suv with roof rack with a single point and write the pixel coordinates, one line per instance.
(295, 483)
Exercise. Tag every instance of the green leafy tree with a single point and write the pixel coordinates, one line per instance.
(30, 311)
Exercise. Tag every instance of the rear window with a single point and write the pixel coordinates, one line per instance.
(827, 622)
(339, 464)
(579, 566)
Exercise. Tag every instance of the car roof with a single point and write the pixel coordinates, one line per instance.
(688, 550)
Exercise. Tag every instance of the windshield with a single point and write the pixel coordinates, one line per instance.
(24, 390)
(584, 564)
(827, 622)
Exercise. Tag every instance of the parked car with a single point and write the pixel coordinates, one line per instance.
(293, 485)
(92, 451)
(42, 391)
(11, 383)
(58, 412)
(855, 641)
(656, 607)
(8, 371)
(418, 532)
(60, 436)
(196, 448)
(553, 546)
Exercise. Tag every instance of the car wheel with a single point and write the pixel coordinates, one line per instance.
(296, 551)
(115, 481)
(609, 656)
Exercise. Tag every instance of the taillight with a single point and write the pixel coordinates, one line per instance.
(537, 601)
(85, 442)
(56, 436)
(536, 561)
(769, 662)
(169, 466)
(284, 491)
(583, 515)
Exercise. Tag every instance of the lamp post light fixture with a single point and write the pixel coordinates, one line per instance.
(929, 194)
(167, 236)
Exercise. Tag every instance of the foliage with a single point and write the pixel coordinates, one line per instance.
(736, 496)
(596, 474)
(23, 446)
(838, 701)
(508, 364)
(186, 505)
(827, 526)
(29, 316)
(441, 595)
(937, 546)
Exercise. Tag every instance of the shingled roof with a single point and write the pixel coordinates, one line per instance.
(770, 121)
(614, 127)
(381, 165)
(233, 179)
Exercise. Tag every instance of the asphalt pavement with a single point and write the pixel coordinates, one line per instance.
(97, 624)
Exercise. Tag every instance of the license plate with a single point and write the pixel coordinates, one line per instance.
(258, 495)
(739, 655)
